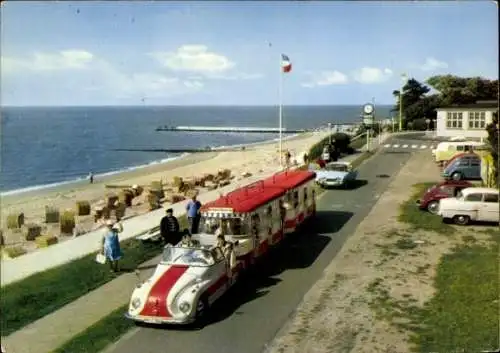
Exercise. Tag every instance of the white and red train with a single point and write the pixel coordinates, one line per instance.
(252, 218)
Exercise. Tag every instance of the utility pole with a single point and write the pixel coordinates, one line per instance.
(403, 82)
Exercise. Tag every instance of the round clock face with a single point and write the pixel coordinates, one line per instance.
(368, 108)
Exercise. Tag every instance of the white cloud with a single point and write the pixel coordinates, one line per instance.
(194, 58)
(370, 75)
(99, 75)
(235, 76)
(74, 59)
(326, 78)
(432, 64)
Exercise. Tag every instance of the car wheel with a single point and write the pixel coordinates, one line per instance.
(202, 308)
(456, 176)
(461, 220)
(433, 207)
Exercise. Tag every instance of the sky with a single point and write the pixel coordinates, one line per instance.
(229, 53)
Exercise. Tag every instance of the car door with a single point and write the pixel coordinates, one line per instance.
(489, 211)
(219, 274)
(475, 168)
(463, 166)
(472, 205)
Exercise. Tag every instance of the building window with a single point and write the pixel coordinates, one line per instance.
(454, 120)
(477, 120)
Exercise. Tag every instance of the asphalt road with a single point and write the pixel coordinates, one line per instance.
(250, 315)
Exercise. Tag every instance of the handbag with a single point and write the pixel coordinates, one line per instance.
(100, 259)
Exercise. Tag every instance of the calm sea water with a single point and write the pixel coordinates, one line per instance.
(43, 146)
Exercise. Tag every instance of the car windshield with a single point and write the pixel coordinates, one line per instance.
(460, 196)
(174, 255)
(337, 167)
(230, 226)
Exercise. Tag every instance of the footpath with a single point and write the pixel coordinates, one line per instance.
(53, 330)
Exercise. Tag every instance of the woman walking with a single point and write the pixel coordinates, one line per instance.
(111, 244)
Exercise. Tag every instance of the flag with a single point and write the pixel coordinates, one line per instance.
(286, 64)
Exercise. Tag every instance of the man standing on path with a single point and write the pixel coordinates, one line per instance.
(193, 214)
(169, 228)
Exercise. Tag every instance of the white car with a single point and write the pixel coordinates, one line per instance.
(471, 204)
(186, 282)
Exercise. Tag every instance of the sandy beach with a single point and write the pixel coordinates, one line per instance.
(253, 159)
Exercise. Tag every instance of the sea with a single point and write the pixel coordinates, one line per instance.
(46, 146)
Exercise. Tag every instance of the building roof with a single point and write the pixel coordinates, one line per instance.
(491, 105)
(245, 199)
(289, 179)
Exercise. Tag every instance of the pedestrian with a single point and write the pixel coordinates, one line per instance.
(91, 178)
(306, 158)
(187, 240)
(193, 214)
(288, 156)
(169, 228)
(111, 244)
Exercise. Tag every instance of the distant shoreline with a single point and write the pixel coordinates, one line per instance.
(128, 172)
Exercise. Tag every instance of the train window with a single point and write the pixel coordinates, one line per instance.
(256, 224)
(305, 194)
(313, 193)
(295, 199)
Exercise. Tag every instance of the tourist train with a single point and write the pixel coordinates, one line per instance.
(188, 280)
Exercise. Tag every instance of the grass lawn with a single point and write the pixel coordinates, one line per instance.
(100, 335)
(463, 314)
(418, 219)
(43, 293)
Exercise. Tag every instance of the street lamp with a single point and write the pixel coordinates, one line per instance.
(403, 81)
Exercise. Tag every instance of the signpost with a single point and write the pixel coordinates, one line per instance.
(368, 117)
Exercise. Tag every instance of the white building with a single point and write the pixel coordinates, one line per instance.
(467, 121)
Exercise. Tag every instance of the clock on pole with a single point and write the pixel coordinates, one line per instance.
(368, 108)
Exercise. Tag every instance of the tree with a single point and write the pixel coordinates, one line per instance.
(463, 90)
(416, 103)
(493, 137)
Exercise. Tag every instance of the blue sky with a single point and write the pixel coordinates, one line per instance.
(228, 53)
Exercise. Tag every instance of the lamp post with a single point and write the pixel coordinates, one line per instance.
(330, 132)
(403, 81)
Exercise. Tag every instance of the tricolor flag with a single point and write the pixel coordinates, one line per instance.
(286, 64)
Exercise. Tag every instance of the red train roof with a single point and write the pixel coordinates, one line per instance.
(289, 179)
(245, 199)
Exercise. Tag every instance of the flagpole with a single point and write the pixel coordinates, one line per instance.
(281, 117)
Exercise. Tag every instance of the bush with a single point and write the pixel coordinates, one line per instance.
(342, 142)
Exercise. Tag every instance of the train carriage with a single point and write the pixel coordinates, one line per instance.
(300, 197)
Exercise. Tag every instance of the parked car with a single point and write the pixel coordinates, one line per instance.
(449, 188)
(459, 155)
(335, 174)
(447, 150)
(463, 168)
(472, 204)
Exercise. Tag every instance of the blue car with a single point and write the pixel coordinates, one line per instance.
(463, 168)
(335, 174)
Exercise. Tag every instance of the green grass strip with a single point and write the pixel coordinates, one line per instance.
(418, 219)
(100, 335)
(40, 294)
(463, 315)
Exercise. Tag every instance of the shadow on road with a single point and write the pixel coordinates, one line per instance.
(397, 152)
(353, 185)
(329, 221)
